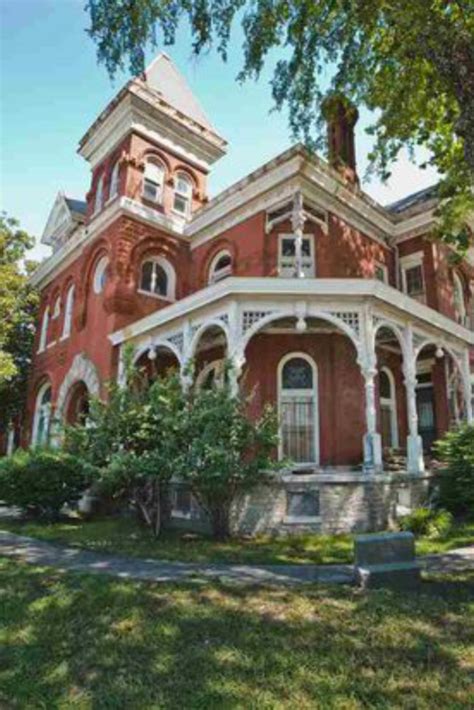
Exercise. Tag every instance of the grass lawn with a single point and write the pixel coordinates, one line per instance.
(125, 536)
(88, 642)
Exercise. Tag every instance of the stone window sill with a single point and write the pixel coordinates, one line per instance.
(301, 520)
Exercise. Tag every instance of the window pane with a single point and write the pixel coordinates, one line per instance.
(306, 248)
(160, 281)
(150, 190)
(180, 204)
(288, 247)
(183, 185)
(304, 504)
(223, 262)
(385, 390)
(414, 280)
(147, 274)
(297, 374)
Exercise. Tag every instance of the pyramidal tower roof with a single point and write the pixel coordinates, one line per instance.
(159, 101)
(163, 76)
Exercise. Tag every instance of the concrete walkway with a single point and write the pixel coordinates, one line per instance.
(65, 558)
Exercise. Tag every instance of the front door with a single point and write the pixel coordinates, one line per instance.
(426, 417)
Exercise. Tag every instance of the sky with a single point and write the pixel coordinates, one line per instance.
(52, 89)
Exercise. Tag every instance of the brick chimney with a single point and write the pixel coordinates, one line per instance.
(341, 116)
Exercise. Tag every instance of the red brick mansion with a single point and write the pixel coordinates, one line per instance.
(342, 312)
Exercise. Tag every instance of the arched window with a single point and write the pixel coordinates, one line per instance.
(99, 195)
(42, 416)
(114, 181)
(67, 326)
(298, 406)
(153, 180)
(44, 330)
(157, 277)
(221, 266)
(100, 274)
(183, 192)
(458, 297)
(388, 409)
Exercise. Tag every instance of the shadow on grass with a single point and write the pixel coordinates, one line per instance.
(87, 641)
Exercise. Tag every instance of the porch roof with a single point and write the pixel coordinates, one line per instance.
(350, 290)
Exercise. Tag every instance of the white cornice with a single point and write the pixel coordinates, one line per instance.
(70, 251)
(134, 112)
(277, 288)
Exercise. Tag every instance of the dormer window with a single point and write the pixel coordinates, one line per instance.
(114, 181)
(287, 266)
(153, 181)
(183, 195)
(458, 298)
(157, 278)
(99, 195)
(221, 266)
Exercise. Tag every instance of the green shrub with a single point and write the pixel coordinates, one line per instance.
(426, 521)
(41, 481)
(456, 481)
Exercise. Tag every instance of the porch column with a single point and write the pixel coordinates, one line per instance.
(415, 460)
(367, 361)
(237, 362)
(372, 439)
(467, 387)
(186, 370)
(297, 224)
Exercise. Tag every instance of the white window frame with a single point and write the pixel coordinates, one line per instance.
(153, 164)
(391, 403)
(458, 299)
(170, 275)
(187, 196)
(384, 269)
(218, 275)
(99, 274)
(315, 398)
(68, 311)
(412, 261)
(44, 330)
(289, 271)
(114, 180)
(99, 194)
(40, 410)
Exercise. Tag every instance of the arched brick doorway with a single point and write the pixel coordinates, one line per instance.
(77, 404)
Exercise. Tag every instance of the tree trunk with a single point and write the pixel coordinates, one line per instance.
(220, 522)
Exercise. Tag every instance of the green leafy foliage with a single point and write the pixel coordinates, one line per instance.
(18, 308)
(42, 481)
(143, 435)
(132, 440)
(428, 522)
(225, 453)
(412, 63)
(456, 488)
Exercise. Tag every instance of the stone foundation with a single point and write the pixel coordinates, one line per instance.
(329, 502)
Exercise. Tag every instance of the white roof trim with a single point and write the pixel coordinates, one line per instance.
(278, 287)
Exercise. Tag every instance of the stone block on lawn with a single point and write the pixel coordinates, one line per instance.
(386, 560)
